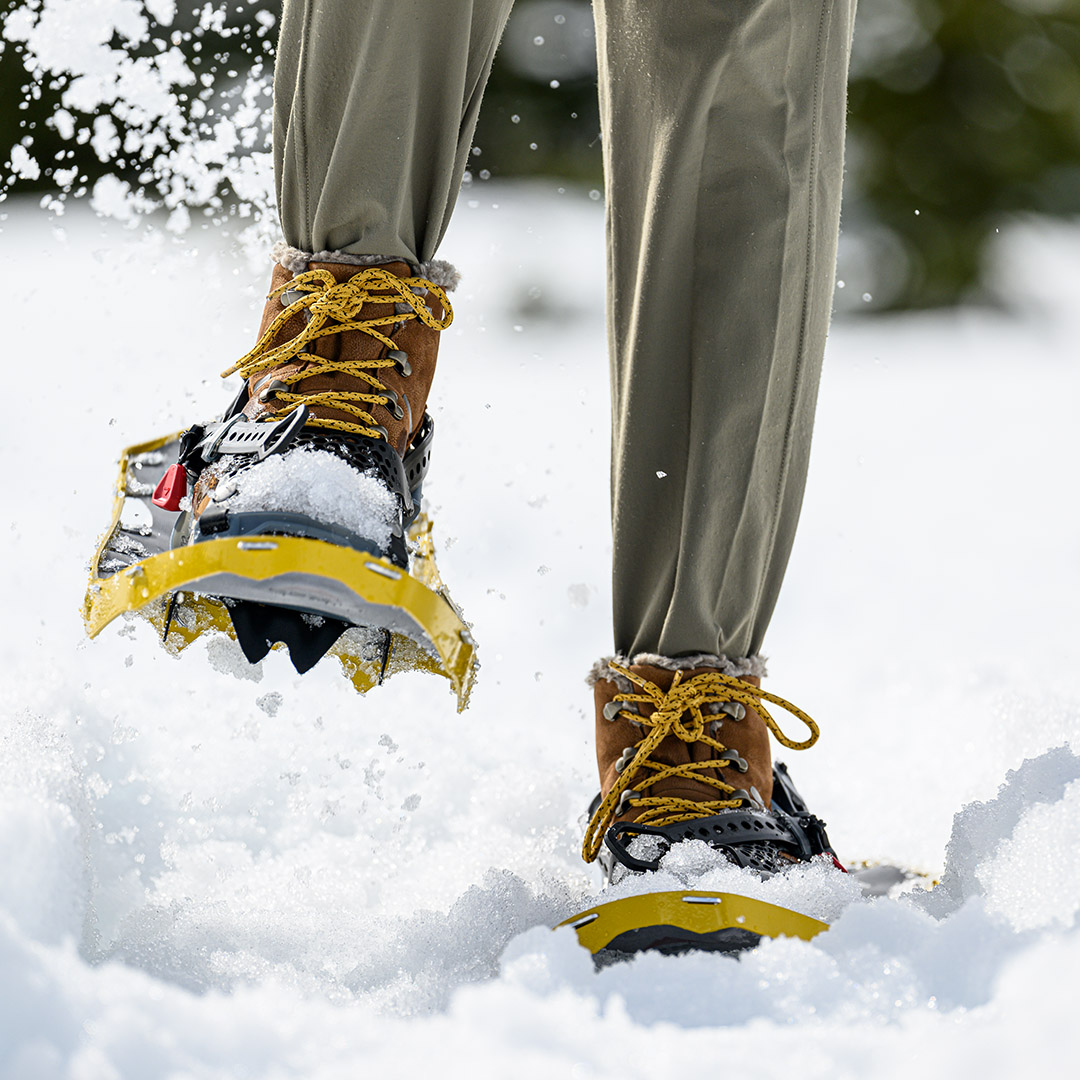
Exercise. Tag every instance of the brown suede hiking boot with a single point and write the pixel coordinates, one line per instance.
(372, 349)
(343, 366)
(683, 753)
(328, 440)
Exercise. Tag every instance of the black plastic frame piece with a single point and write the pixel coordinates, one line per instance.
(788, 825)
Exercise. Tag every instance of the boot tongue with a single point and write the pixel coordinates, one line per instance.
(354, 345)
(344, 271)
(351, 345)
(673, 751)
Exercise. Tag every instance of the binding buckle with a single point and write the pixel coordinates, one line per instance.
(238, 435)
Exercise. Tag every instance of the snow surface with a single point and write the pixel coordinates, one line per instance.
(318, 484)
(207, 876)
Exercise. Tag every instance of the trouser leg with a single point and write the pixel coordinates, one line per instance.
(375, 104)
(723, 129)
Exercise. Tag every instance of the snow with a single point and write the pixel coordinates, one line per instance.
(318, 484)
(23, 164)
(119, 56)
(207, 876)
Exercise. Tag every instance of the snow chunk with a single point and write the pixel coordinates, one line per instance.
(320, 485)
(23, 165)
(227, 657)
(162, 11)
(106, 141)
(270, 703)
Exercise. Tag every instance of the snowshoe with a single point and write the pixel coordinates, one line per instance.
(683, 751)
(295, 519)
(382, 618)
(764, 841)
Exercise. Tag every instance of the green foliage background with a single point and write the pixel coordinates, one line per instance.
(967, 111)
(963, 114)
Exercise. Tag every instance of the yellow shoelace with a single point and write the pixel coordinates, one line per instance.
(334, 307)
(681, 711)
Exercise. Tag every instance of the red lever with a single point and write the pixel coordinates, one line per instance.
(172, 487)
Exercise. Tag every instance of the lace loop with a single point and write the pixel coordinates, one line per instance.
(682, 711)
(334, 307)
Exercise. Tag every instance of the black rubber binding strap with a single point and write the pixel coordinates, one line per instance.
(788, 827)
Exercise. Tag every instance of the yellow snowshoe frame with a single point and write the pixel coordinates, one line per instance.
(174, 576)
(691, 916)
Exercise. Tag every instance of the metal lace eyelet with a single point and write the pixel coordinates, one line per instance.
(613, 708)
(269, 391)
(732, 757)
(401, 361)
(734, 709)
(625, 758)
(625, 799)
(392, 405)
(268, 388)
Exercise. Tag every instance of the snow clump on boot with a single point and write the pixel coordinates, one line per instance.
(320, 485)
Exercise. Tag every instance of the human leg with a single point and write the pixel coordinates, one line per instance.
(375, 104)
(723, 136)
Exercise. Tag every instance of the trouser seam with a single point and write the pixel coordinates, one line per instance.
(301, 120)
(811, 221)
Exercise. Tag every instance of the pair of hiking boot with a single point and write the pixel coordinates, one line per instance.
(337, 389)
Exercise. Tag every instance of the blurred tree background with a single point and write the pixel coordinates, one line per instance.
(964, 115)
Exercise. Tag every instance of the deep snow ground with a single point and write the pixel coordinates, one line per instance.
(210, 876)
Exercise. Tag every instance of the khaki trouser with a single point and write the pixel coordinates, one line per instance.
(723, 128)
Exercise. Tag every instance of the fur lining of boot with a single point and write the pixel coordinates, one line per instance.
(437, 271)
(736, 668)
